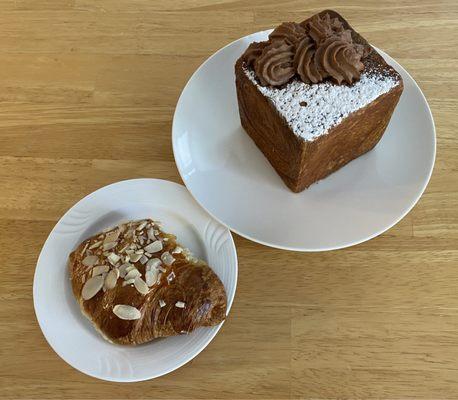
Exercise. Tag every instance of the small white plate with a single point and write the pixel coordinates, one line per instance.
(70, 334)
(227, 174)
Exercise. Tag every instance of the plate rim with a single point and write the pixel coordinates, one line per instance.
(230, 299)
(294, 248)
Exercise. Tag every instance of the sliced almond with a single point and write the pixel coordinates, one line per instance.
(140, 285)
(124, 248)
(142, 225)
(95, 245)
(113, 258)
(177, 250)
(109, 245)
(132, 274)
(99, 270)
(90, 261)
(126, 312)
(92, 287)
(129, 282)
(112, 236)
(151, 277)
(84, 248)
(171, 277)
(153, 263)
(167, 258)
(130, 268)
(151, 235)
(154, 247)
(139, 251)
(123, 269)
(135, 257)
(180, 304)
(111, 279)
(147, 254)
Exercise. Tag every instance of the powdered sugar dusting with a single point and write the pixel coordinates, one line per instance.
(311, 110)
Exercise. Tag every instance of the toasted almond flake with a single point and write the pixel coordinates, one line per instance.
(139, 251)
(90, 261)
(126, 312)
(167, 258)
(113, 258)
(142, 225)
(112, 236)
(84, 248)
(151, 277)
(92, 287)
(162, 303)
(111, 279)
(150, 234)
(95, 245)
(129, 282)
(165, 239)
(180, 304)
(124, 248)
(123, 270)
(153, 263)
(132, 274)
(109, 245)
(140, 285)
(135, 257)
(171, 277)
(147, 254)
(99, 270)
(154, 247)
(177, 250)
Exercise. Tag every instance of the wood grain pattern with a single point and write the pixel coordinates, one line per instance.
(87, 94)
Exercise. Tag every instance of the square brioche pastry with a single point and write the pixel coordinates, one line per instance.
(308, 117)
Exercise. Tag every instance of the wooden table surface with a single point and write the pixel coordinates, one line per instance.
(87, 94)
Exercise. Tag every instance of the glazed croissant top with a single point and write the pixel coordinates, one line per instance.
(135, 283)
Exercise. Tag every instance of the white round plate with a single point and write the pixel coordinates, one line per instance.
(70, 334)
(229, 177)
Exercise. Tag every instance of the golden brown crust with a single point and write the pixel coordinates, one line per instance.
(193, 283)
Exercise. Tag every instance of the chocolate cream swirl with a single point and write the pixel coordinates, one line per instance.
(318, 49)
(290, 32)
(275, 65)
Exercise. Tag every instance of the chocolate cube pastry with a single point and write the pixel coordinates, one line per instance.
(314, 97)
(135, 283)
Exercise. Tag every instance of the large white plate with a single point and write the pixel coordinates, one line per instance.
(70, 334)
(227, 174)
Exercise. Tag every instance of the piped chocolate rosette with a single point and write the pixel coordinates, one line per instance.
(315, 50)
